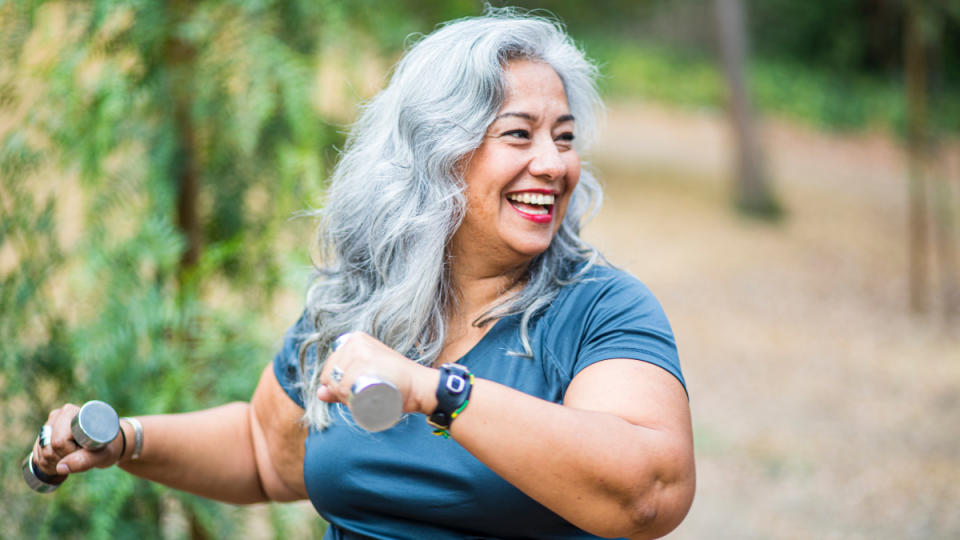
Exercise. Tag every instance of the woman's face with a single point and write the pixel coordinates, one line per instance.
(519, 181)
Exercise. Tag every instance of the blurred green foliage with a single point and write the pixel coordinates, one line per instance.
(109, 110)
(786, 89)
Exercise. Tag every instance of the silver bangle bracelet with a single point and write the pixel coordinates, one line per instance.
(137, 438)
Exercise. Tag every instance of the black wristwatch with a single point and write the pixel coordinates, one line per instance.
(453, 394)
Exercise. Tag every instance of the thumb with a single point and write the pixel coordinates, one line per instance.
(83, 460)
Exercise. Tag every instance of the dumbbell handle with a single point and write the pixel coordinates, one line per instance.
(93, 428)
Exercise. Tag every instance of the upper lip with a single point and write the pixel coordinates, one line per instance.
(535, 190)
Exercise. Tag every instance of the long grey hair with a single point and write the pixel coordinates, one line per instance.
(396, 197)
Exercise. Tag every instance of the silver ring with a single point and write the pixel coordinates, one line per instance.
(336, 374)
(46, 432)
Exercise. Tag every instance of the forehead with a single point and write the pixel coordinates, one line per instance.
(534, 87)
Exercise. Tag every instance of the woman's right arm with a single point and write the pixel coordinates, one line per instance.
(238, 453)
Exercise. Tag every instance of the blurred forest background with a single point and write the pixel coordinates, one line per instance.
(783, 174)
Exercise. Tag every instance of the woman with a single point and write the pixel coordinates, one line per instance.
(450, 238)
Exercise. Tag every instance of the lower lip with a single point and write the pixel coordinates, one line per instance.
(536, 218)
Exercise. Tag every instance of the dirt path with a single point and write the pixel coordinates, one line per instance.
(821, 408)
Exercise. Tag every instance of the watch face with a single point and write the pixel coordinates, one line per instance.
(456, 383)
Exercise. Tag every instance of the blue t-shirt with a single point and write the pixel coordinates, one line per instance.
(406, 482)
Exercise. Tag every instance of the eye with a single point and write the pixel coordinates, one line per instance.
(564, 140)
(516, 134)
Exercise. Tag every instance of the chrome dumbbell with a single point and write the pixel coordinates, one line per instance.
(375, 403)
(94, 426)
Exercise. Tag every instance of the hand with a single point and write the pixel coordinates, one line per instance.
(63, 455)
(362, 354)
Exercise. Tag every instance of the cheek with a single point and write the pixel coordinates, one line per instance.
(573, 178)
(573, 174)
(484, 176)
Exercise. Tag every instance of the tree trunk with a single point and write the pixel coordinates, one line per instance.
(188, 187)
(180, 57)
(917, 147)
(945, 238)
(752, 191)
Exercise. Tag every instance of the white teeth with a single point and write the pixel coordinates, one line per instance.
(532, 198)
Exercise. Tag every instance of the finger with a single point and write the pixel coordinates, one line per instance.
(341, 340)
(324, 394)
(336, 357)
(338, 389)
(84, 460)
(339, 359)
(328, 366)
(44, 459)
(43, 455)
(61, 442)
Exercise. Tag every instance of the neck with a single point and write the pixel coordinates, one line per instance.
(480, 289)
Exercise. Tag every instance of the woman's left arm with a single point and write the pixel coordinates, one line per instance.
(616, 459)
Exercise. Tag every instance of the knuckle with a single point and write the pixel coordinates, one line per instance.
(47, 467)
(38, 456)
(62, 446)
(42, 454)
(59, 446)
(43, 461)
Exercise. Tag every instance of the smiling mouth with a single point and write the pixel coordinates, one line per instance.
(537, 207)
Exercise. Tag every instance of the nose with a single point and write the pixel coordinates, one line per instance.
(546, 162)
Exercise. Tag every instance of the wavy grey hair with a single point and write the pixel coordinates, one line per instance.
(396, 197)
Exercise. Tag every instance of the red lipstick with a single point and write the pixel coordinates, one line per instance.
(533, 211)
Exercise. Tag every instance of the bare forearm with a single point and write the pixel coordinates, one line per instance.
(597, 470)
(208, 453)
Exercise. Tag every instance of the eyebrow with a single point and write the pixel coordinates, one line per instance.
(526, 116)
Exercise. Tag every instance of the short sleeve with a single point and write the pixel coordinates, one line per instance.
(623, 319)
(286, 364)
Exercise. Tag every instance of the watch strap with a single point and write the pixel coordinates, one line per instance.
(453, 394)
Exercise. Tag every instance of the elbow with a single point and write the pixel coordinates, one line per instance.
(660, 508)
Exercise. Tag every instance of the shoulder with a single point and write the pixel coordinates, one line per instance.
(607, 313)
(605, 287)
(286, 364)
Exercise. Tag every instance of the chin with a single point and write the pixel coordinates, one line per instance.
(530, 251)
